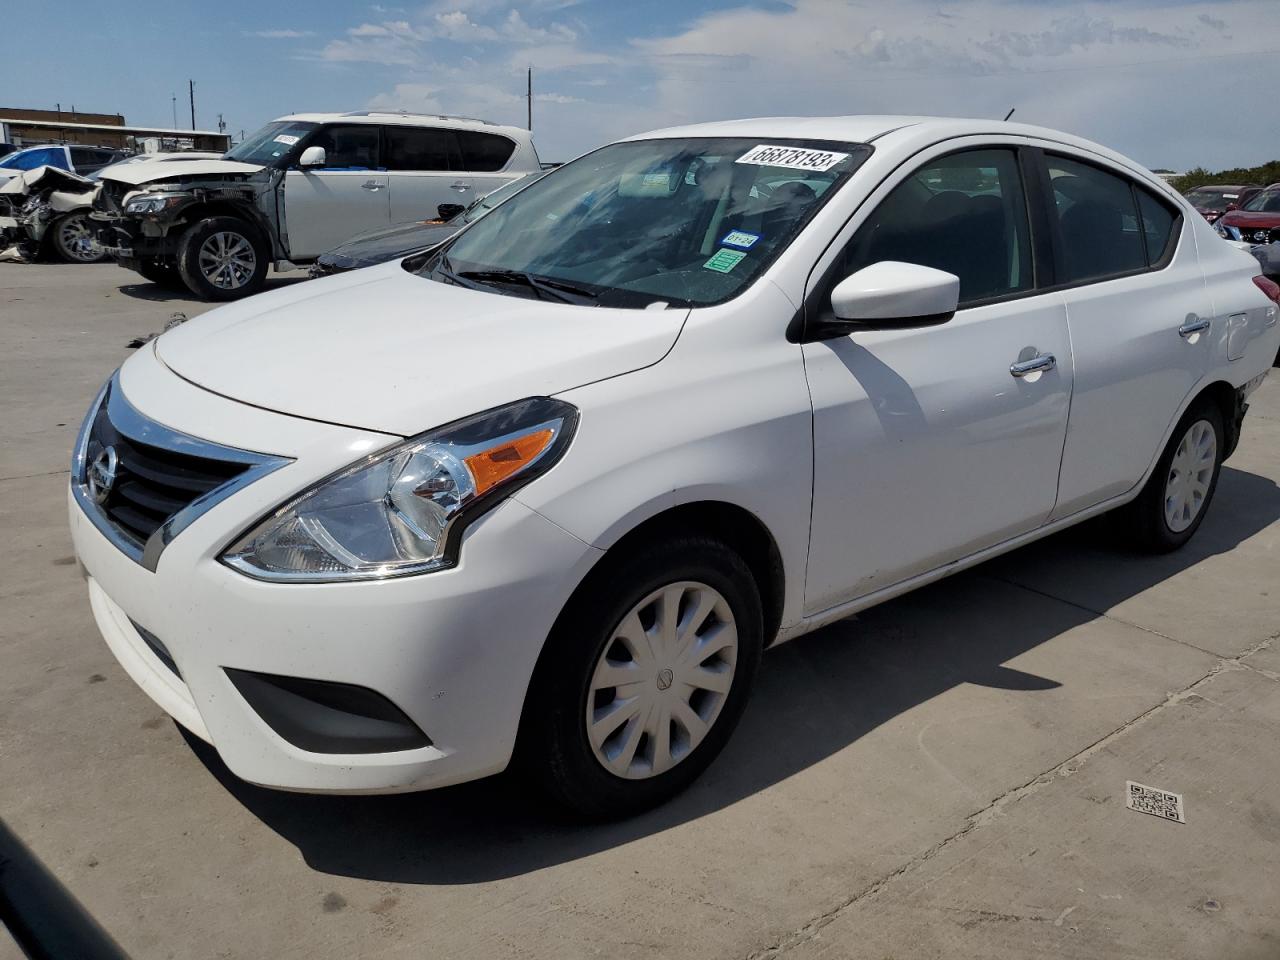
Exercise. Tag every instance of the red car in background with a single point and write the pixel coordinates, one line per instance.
(1214, 199)
(1257, 221)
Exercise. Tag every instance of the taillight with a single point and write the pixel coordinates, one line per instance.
(1269, 287)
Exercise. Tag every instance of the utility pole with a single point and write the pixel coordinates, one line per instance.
(191, 89)
(173, 102)
(529, 95)
(222, 124)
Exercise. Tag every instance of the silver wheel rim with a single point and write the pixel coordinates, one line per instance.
(1190, 474)
(662, 680)
(227, 260)
(75, 238)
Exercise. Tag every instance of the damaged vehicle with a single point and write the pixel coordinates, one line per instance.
(295, 189)
(45, 211)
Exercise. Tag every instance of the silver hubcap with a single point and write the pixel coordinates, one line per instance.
(662, 680)
(74, 237)
(227, 260)
(1190, 474)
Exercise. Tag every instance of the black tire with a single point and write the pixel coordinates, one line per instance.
(82, 248)
(162, 274)
(1145, 517)
(234, 231)
(554, 749)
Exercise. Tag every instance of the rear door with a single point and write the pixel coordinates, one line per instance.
(1140, 319)
(430, 166)
(326, 206)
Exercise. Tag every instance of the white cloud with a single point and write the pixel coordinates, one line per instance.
(279, 34)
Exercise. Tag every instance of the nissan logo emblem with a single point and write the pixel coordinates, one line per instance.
(102, 474)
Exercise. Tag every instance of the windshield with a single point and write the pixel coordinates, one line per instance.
(1202, 197)
(490, 200)
(689, 221)
(35, 157)
(1268, 201)
(267, 146)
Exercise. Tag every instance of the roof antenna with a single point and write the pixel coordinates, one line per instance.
(1010, 113)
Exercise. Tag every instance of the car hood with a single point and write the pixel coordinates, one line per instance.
(151, 170)
(379, 246)
(385, 350)
(1249, 218)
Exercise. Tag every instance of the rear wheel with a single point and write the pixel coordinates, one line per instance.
(1176, 497)
(222, 258)
(644, 678)
(74, 241)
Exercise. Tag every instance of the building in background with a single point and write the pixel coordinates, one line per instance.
(23, 127)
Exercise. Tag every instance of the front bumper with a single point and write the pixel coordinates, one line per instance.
(454, 650)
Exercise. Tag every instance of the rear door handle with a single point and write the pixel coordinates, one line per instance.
(1046, 361)
(460, 186)
(1193, 325)
(373, 185)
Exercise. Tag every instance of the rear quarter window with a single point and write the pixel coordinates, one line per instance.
(484, 152)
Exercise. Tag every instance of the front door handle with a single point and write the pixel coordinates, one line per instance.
(1193, 325)
(1040, 364)
(460, 186)
(373, 185)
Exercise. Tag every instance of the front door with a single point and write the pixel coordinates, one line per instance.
(928, 445)
(326, 206)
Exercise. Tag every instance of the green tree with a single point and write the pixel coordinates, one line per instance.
(1266, 174)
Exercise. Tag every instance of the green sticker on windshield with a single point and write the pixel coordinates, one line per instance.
(724, 260)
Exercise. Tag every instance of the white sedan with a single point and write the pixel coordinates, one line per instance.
(544, 494)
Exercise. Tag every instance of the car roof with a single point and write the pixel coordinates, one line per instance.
(409, 119)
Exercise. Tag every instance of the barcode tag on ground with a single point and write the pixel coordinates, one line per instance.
(1158, 803)
(797, 158)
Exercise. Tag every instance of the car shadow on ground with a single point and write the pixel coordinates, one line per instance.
(164, 293)
(815, 696)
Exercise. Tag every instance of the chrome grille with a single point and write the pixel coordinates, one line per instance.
(142, 483)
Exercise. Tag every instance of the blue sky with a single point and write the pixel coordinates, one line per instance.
(1170, 83)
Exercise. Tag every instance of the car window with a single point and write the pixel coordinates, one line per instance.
(1265, 201)
(1097, 221)
(484, 152)
(420, 148)
(82, 156)
(353, 147)
(36, 157)
(965, 213)
(1158, 220)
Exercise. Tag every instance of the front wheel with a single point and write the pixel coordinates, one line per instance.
(161, 273)
(222, 258)
(74, 241)
(1177, 495)
(644, 678)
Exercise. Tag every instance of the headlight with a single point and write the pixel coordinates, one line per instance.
(402, 511)
(154, 203)
(1227, 231)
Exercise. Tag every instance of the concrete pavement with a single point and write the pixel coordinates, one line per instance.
(942, 776)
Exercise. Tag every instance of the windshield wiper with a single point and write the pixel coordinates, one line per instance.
(544, 286)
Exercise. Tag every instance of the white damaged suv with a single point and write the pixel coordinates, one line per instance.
(296, 189)
(545, 493)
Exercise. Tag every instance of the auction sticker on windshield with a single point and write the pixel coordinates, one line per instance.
(798, 158)
(740, 239)
(287, 139)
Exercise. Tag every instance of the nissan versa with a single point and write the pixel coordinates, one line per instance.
(542, 495)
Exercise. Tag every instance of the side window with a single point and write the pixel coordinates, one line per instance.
(354, 147)
(82, 157)
(1097, 220)
(484, 152)
(1157, 225)
(420, 148)
(965, 213)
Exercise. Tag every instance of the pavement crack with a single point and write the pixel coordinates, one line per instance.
(996, 808)
(32, 476)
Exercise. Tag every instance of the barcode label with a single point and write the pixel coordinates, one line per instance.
(1158, 803)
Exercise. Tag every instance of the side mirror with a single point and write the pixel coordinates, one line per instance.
(893, 294)
(1232, 205)
(312, 157)
(447, 211)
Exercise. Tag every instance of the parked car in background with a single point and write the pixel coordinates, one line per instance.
(1213, 200)
(6, 149)
(45, 210)
(1257, 221)
(543, 494)
(380, 246)
(296, 189)
(70, 157)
